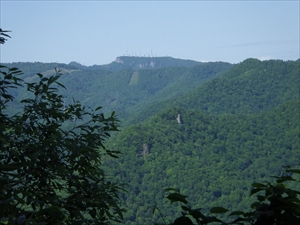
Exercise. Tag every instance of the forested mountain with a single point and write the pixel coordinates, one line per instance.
(212, 159)
(126, 91)
(248, 87)
(121, 63)
(210, 129)
(138, 63)
(136, 95)
(235, 129)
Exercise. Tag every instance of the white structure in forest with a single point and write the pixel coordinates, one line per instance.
(179, 119)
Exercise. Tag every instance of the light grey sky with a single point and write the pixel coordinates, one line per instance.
(96, 32)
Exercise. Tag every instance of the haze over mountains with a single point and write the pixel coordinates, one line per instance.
(132, 85)
(239, 123)
(128, 84)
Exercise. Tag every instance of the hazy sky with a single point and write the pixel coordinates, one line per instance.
(96, 32)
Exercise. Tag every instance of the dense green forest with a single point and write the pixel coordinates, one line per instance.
(126, 91)
(208, 129)
(236, 128)
(213, 159)
(248, 87)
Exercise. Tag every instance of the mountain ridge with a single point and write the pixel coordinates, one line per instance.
(211, 158)
(248, 87)
(125, 91)
(239, 124)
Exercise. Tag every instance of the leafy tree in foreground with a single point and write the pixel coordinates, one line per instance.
(3, 36)
(50, 158)
(276, 204)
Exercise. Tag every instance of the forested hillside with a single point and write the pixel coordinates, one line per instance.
(126, 91)
(209, 129)
(248, 87)
(235, 129)
(212, 159)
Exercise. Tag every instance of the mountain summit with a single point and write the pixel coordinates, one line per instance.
(138, 63)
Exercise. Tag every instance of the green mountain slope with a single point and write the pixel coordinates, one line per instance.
(236, 128)
(125, 91)
(121, 63)
(212, 159)
(129, 91)
(239, 124)
(249, 87)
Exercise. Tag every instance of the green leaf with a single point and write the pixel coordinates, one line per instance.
(293, 171)
(176, 197)
(196, 213)
(185, 208)
(253, 191)
(183, 220)
(4, 220)
(14, 69)
(45, 87)
(93, 213)
(98, 108)
(60, 84)
(236, 213)
(261, 198)
(218, 210)
(8, 76)
(284, 178)
(258, 185)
